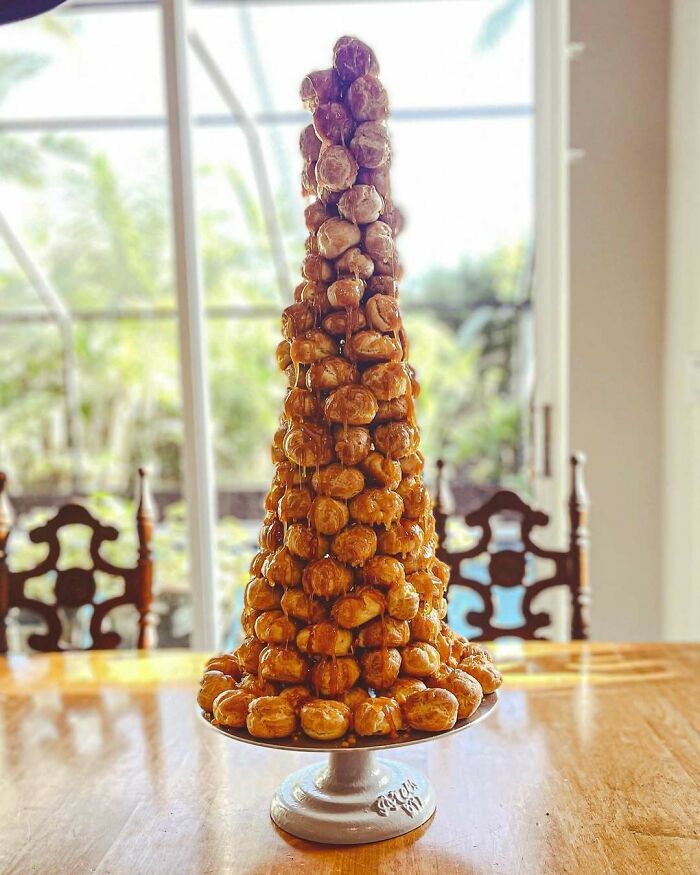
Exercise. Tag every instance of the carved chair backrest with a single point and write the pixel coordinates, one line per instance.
(77, 587)
(508, 568)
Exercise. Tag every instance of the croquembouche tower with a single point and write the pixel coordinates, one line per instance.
(345, 610)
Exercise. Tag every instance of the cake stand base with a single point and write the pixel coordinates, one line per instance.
(353, 798)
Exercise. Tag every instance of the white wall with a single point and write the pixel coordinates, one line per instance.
(619, 95)
(681, 450)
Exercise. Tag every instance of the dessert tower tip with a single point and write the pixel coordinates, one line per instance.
(345, 610)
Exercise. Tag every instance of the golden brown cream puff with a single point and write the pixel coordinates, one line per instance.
(388, 411)
(403, 538)
(466, 689)
(474, 651)
(416, 498)
(405, 687)
(271, 717)
(332, 676)
(297, 319)
(425, 626)
(422, 558)
(371, 346)
(312, 346)
(354, 696)
(385, 472)
(331, 373)
(428, 586)
(324, 639)
(420, 660)
(301, 404)
(338, 481)
(298, 604)
(380, 668)
(352, 444)
(326, 578)
(351, 405)
(275, 627)
(257, 562)
(248, 618)
(377, 507)
(296, 695)
(271, 533)
(486, 673)
(226, 663)
(284, 664)
(213, 683)
(283, 568)
(358, 607)
(378, 716)
(354, 545)
(412, 464)
(308, 444)
(254, 684)
(387, 380)
(328, 515)
(339, 323)
(346, 292)
(382, 311)
(383, 571)
(304, 542)
(261, 595)
(431, 710)
(384, 632)
(325, 719)
(248, 654)
(394, 439)
(295, 503)
(402, 601)
(231, 708)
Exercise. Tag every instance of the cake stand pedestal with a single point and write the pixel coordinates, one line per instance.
(354, 796)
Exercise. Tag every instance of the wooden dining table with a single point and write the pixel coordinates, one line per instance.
(590, 763)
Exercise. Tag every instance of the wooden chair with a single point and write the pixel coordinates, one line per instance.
(76, 587)
(507, 568)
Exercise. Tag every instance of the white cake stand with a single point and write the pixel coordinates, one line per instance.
(354, 797)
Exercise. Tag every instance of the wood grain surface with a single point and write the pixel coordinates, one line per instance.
(591, 763)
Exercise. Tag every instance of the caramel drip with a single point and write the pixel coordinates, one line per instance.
(393, 732)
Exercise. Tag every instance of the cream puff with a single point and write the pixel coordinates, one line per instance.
(248, 618)
(331, 373)
(419, 660)
(383, 571)
(354, 545)
(371, 346)
(486, 673)
(380, 668)
(283, 568)
(296, 695)
(378, 716)
(257, 562)
(382, 312)
(301, 404)
(351, 611)
(248, 654)
(354, 696)
(405, 687)
(304, 542)
(295, 503)
(425, 626)
(324, 639)
(325, 719)
(312, 346)
(387, 380)
(261, 595)
(394, 439)
(431, 710)
(338, 481)
(416, 498)
(351, 405)
(231, 708)
(385, 472)
(403, 538)
(308, 445)
(388, 411)
(275, 627)
(332, 676)
(352, 443)
(271, 717)
(297, 319)
(384, 632)
(412, 464)
(212, 684)
(254, 684)
(328, 515)
(284, 664)
(340, 323)
(376, 507)
(465, 688)
(226, 663)
(326, 578)
(298, 604)
(402, 601)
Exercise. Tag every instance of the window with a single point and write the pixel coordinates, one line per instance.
(85, 189)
